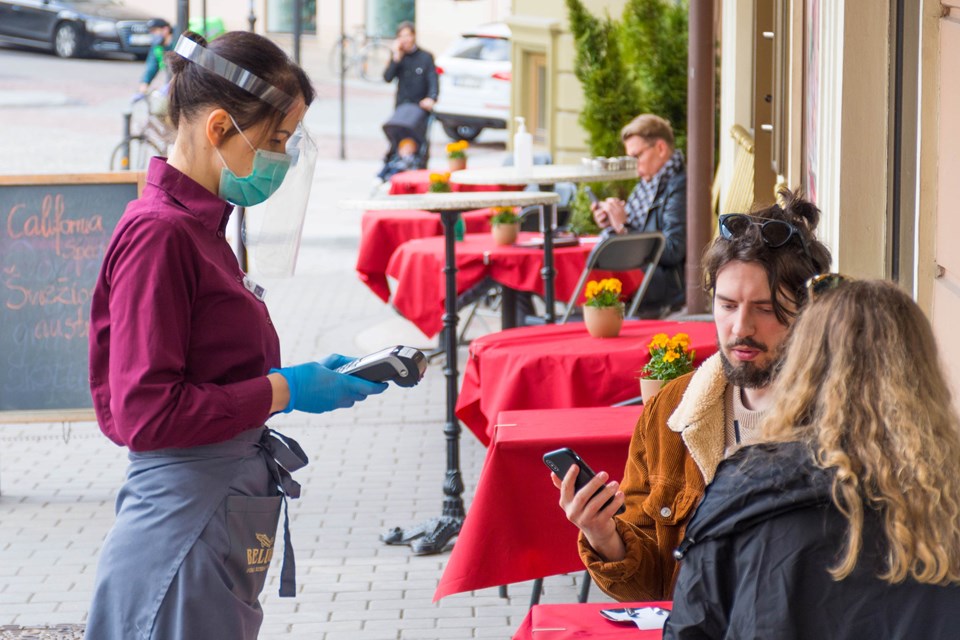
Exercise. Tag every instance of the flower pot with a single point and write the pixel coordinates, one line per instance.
(505, 233)
(603, 322)
(649, 388)
(457, 164)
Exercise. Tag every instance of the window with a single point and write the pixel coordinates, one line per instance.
(536, 98)
(280, 16)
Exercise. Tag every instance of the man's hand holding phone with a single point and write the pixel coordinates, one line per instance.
(607, 213)
(591, 505)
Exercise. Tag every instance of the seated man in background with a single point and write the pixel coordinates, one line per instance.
(657, 203)
(756, 270)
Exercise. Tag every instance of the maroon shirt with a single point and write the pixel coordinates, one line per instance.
(179, 349)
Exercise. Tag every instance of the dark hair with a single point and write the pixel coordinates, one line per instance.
(157, 23)
(788, 267)
(194, 88)
(406, 24)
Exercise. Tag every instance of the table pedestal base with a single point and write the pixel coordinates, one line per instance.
(426, 538)
(433, 535)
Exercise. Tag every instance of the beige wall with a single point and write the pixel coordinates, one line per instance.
(864, 140)
(542, 26)
(439, 22)
(946, 283)
(736, 90)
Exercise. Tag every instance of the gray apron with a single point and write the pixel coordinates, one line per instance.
(187, 557)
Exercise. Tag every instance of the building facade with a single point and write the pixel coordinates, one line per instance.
(322, 20)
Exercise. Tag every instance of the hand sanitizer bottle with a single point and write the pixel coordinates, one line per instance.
(522, 146)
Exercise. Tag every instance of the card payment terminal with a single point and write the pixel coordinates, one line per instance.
(403, 365)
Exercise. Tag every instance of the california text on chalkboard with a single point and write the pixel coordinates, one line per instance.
(54, 231)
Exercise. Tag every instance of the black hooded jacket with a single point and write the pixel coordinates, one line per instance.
(756, 558)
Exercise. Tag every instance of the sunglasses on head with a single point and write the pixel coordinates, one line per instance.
(774, 233)
(820, 284)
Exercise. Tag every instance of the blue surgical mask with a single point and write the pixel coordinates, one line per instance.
(269, 170)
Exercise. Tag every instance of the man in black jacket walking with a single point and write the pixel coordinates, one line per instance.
(657, 203)
(414, 69)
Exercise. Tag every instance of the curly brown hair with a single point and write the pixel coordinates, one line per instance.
(788, 267)
(862, 385)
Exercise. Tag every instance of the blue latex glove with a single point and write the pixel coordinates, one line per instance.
(316, 388)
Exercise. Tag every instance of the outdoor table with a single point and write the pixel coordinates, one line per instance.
(557, 366)
(417, 265)
(383, 231)
(516, 530)
(433, 535)
(563, 621)
(418, 181)
(541, 175)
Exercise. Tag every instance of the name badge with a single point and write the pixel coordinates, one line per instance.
(258, 292)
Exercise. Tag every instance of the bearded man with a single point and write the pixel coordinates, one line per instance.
(756, 271)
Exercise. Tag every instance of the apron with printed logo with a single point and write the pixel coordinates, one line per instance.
(195, 532)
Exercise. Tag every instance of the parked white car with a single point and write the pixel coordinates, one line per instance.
(475, 74)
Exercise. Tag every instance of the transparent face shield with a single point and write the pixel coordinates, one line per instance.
(271, 230)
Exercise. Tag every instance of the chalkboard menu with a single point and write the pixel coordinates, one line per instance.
(55, 231)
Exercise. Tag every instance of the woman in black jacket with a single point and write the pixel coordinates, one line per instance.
(846, 522)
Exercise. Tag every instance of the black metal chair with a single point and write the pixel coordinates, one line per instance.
(622, 253)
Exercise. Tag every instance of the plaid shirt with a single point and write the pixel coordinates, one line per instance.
(643, 195)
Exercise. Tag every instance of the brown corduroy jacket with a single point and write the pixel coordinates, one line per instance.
(674, 452)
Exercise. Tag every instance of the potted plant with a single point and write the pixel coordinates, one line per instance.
(603, 310)
(505, 225)
(457, 155)
(439, 183)
(669, 359)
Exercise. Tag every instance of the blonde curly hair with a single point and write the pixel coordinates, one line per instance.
(861, 384)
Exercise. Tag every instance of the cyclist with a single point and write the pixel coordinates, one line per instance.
(163, 40)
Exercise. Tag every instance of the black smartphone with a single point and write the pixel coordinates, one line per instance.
(590, 194)
(561, 460)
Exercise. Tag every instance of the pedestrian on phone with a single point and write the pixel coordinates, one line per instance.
(184, 357)
(845, 522)
(416, 74)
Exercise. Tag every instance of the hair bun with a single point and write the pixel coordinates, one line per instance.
(796, 207)
(177, 62)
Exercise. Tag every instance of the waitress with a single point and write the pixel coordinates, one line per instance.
(184, 357)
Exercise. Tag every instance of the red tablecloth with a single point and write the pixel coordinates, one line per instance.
(515, 530)
(564, 621)
(407, 182)
(383, 231)
(418, 268)
(556, 366)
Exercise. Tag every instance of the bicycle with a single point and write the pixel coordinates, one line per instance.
(366, 55)
(146, 133)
